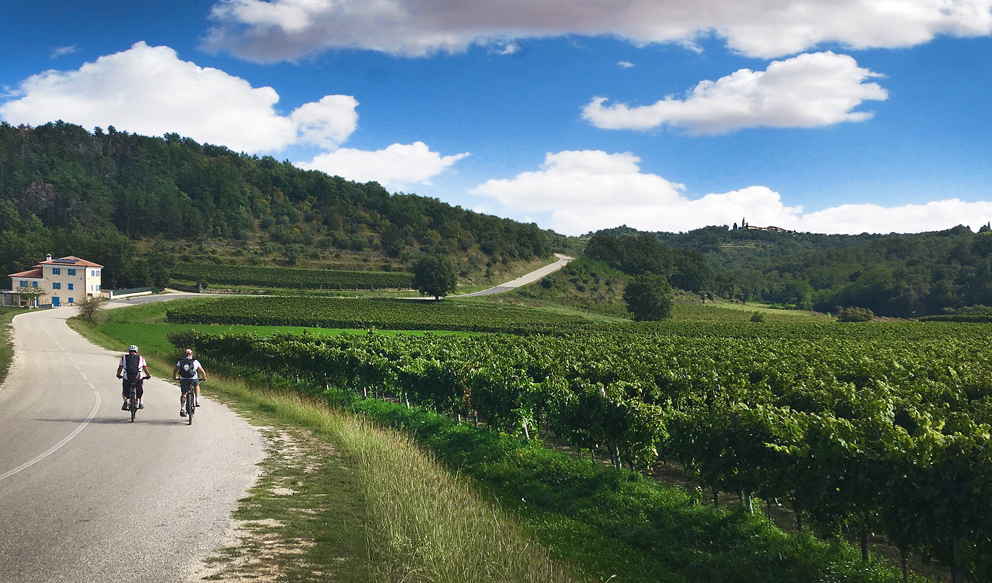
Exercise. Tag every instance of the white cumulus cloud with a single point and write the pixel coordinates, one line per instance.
(809, 90)
(589, 190)
(149, 90)
(273, 30)
(396, 165)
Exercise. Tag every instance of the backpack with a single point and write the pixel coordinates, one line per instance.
(132, 363)
(186, 368)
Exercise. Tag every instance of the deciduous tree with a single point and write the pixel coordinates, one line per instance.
(648, 297)
(435, 275)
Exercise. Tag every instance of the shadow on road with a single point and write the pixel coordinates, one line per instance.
(114, 421)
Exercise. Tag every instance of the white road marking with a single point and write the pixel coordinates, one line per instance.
(57, 446)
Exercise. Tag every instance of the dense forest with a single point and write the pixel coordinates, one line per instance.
(893, 275)
(69, 191)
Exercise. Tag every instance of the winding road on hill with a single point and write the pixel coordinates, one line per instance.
(522, 280)
(87, 496)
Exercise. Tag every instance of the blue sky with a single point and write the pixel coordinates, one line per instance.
(841, 117)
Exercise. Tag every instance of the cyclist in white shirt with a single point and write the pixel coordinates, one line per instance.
(132, 365)
(189, 372)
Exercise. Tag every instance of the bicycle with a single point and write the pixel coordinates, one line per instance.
(190, 403)
(132, 403)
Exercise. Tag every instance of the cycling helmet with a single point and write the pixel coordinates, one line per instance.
(132, 348)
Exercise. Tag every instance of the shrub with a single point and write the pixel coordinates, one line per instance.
(855, 315)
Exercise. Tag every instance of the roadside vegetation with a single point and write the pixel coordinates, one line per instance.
(6, 347)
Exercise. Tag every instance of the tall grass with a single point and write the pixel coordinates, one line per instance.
(424, 524)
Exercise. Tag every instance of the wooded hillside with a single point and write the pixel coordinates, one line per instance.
(64, 189)
(893, 275)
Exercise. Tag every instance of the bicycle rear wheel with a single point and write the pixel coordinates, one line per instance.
(133, 404)
(190, 406)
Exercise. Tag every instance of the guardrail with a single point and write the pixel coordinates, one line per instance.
(137, 291)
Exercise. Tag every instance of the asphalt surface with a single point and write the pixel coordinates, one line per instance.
(87, 496)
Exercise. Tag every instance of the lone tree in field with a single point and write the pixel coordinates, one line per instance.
(434, 275)
(648, 297)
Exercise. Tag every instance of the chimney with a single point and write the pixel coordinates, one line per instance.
(48, 256)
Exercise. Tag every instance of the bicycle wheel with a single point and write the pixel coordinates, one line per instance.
(133, 405)
(190, 407)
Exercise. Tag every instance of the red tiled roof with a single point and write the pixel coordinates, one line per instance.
(71, 260)
(33, 274)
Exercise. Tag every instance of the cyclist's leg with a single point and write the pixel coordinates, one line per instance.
(126, 393)
(140, 391)
(183, 395)
(196, 386)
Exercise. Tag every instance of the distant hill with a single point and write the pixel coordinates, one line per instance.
(900, 275)
(726, 248)
(132, 203)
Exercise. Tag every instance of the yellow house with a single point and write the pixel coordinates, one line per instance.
(57, 282)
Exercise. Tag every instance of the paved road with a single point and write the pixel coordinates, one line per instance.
(86, 496)
(523, 280)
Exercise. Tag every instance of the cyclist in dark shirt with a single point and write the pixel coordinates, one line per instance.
(138, 365)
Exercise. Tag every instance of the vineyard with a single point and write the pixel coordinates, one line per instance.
(857, 428)
(385, 314)
(292, 278)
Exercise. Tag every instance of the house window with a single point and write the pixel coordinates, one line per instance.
(70, 288)
(24, 283)
(70, 272)
(99, 288)
(56, 271)
(56, 286)
(33, 283)
(70, 300)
